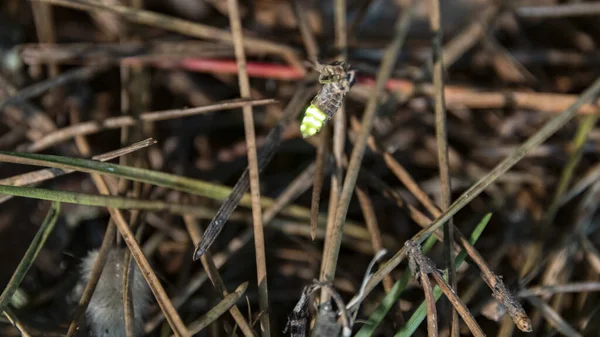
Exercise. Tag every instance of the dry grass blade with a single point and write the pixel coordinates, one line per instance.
(460, 307)
(199, 279)
(44, 26)
(179, 183)
(499, 291)
(87, 128)
(177, 25)
(259, 238)
(322, 155)
(12, 318)
(591, 253)
(330, 260)
(159, 293)
(28, 114)
(225, 304)
(587, 125)
(213, 273)
(77, 74)
(561, 288)
(441, 136)
(234, 198)
(32, 252)
(469, 36)
(127, 272)
(553, 317)
(539, 137)
(127, 296)
(366, 206)
(339, 139)
(589, 178)
(516, 311)
(421, 264)
(418, 316)
(559, 11)
(310, 44)
(298, 186)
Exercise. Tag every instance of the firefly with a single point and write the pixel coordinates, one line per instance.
(337, 79)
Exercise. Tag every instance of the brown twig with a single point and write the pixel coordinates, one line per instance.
(213, 273)
(422, 264)
(559, 11)
(180, 26)
(259, 239)
(87, 128)
(561, 288)
(86, 53)
(432, 326)
(34, 90)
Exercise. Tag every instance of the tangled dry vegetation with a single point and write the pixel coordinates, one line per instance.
(454, 193)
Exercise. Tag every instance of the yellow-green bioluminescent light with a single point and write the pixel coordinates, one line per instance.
(313, 121)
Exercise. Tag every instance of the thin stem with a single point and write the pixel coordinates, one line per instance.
(389, 59)
(442, 150)
(87, 128)
(210, 267)
(259, 239)
(94, 277)
(177, 25)
(339, 140)
(539, 137)
(50, 173)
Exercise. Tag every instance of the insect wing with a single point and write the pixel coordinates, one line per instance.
(329, 100)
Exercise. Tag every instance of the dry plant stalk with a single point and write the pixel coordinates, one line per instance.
(212, 271)
(334, 236)
(259, 238)
(441, 136)
(421, 264)
(517, 313)
(87, 128)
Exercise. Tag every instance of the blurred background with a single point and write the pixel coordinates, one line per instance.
(510, 67)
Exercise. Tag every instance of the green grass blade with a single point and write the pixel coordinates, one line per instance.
(104, 200)
(419, 315)
(175, 182)
(32, 252)
(368, 329)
